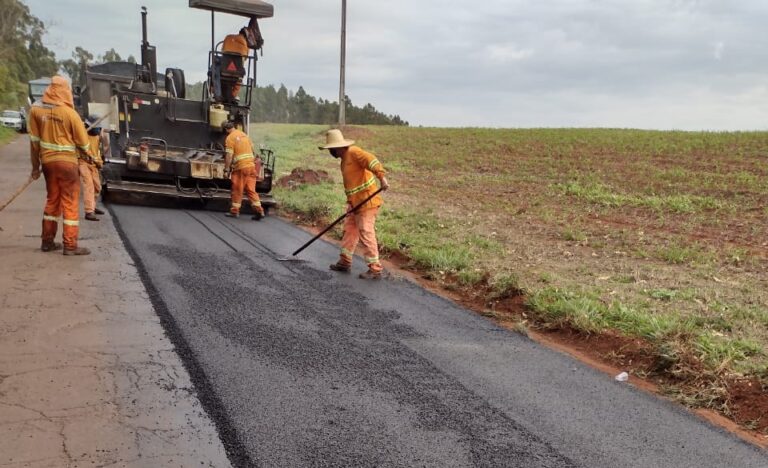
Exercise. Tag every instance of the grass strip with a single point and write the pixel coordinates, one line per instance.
(6, 135)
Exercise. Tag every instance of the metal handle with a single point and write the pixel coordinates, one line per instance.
(354, 208)
(165, 143)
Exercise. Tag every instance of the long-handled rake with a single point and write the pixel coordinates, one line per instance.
(293, 258)
(30, 180)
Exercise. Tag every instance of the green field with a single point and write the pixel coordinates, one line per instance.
(660, 237)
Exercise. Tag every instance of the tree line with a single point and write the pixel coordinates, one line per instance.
(281, 105)
(75, 66)
(23, 56)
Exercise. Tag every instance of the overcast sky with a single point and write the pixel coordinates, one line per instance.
(665, 64)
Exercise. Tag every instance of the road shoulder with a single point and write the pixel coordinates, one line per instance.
(87, 375)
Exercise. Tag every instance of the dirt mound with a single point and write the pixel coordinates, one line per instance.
(300, 176)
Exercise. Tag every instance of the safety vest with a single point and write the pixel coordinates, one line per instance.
(239, 146)
(360, 171)
(57, 133)
(95, 148)
(235, 44)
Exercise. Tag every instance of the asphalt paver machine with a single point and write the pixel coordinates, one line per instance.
(166, 147)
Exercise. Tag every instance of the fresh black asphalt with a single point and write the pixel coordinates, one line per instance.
(302, 367)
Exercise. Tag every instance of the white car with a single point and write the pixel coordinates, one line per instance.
(14, 120)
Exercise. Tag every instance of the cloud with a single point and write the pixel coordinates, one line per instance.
(491, 63)
(505, 53)
(718, 50)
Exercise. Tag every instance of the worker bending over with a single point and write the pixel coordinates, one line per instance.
(244, 168)
(90, 167)
(249, 37)
(236, 44)
(359, 169)
(57, 138)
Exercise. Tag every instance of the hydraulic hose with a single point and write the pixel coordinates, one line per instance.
(203, 192)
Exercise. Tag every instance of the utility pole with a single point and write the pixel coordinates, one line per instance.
(342, 95)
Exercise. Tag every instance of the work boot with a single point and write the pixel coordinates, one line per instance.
(50, 246)
(91, 217)
(98, 211)
(341, 267)
(371, 275)
(77, 251)
(258, 215)
(232, 215)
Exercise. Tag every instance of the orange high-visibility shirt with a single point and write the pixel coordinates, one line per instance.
(95, 149)
(239, 146)
(56, 133)
(235, 44)
(358, 169)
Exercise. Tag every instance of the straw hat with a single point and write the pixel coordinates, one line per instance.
(334, 139)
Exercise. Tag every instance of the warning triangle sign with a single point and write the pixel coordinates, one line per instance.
(231, 67)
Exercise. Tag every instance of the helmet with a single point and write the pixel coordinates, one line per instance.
(90, 120)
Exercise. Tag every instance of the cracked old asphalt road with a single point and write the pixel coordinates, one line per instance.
(300, 367)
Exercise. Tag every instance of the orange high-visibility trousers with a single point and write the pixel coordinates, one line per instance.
(62, 182)
(361, 227)
(89, 176)
(245, 180)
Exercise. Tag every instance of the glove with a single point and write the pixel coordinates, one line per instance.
(384, 184)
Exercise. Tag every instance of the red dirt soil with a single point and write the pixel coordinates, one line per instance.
(300, 176)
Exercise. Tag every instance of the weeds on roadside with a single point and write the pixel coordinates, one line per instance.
(6, 135)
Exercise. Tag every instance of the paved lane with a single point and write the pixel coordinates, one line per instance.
(300, 367)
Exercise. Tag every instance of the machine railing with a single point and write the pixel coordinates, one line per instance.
(228, 72)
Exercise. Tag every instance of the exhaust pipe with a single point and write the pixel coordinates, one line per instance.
(148, 52)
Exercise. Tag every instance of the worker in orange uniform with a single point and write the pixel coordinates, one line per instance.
(89, 169)
(236, 44)
(57, 139)
(359, 169)
(244, 167)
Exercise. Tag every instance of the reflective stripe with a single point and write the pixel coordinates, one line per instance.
(84, 147)
(59, 156)
(240, 157)
(55, 147)
(347, 252)
(230, 150)
(237, 205)
(373, 164)
(372, 260)
(355, 190)
(50, 218)
(34, 139)
(69, 222)
(258, 203)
